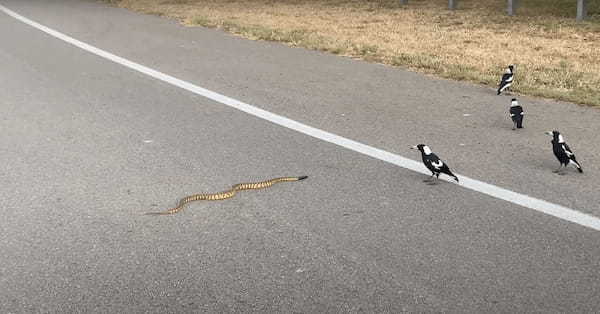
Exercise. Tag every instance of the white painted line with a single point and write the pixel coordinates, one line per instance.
(559, 211)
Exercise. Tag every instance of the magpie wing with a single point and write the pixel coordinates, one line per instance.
(567, 150)
(436, 162)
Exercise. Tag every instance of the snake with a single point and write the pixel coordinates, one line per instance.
(225, 194)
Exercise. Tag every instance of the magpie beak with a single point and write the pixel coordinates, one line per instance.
(548, 133)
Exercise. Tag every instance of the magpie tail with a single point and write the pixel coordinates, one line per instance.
(452, 175)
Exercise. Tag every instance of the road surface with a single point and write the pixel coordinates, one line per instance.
(88, 146)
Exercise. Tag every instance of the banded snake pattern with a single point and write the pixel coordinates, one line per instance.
(225, 194)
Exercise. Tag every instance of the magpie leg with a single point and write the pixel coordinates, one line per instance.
(434, 181)
(559, 171)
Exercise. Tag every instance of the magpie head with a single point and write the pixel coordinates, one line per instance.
(514, 102)
(419, 147)
(556, 136)
(511, 68)
(423, 148)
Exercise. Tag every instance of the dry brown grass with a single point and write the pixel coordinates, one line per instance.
(555, 56)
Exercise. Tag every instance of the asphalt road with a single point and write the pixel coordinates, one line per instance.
(88, 146)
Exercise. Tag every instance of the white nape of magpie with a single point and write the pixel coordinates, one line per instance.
(563, 153)
(516, 114)
(507, 79)
(433, 163)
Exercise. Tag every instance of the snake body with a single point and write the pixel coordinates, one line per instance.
(226, 194)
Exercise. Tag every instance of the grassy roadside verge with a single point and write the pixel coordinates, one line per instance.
(555, 56)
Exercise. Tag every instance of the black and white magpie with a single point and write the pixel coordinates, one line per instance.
(507, 79)
(433, 163)
(516, 114)
(563, 153)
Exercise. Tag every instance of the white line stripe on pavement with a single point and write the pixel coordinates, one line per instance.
(555, 210)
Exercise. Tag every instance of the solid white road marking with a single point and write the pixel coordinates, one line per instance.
(555, 210)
